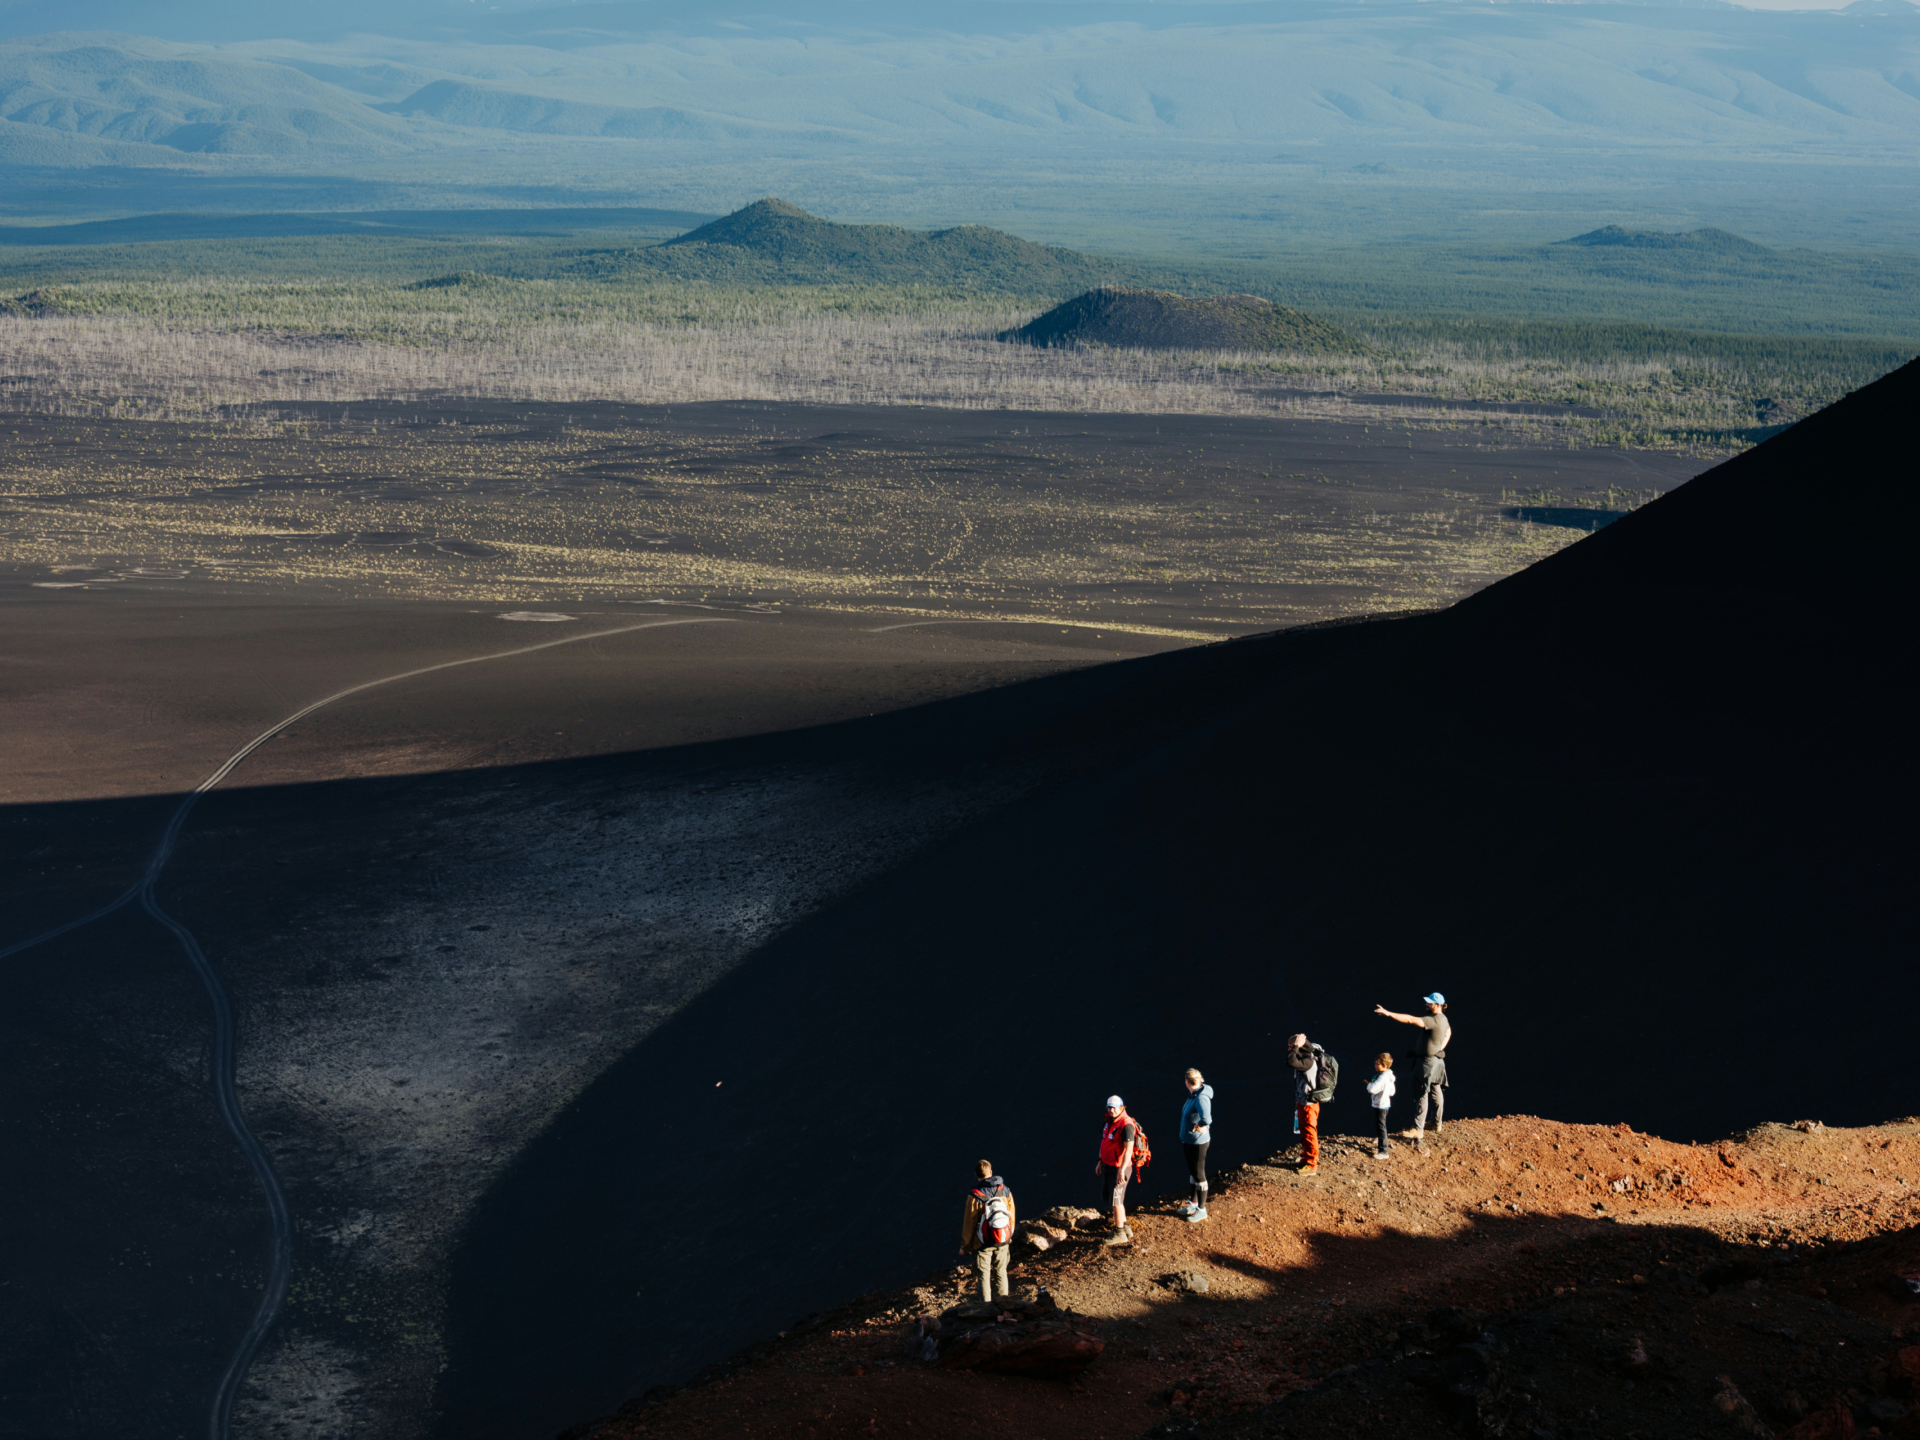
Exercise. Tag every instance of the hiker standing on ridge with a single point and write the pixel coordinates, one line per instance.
(1115, 1167)
(1314, 1074)
(986, 1229)
(1196, 1133)
(1432, 1056)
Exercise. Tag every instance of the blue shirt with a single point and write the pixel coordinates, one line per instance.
(1196, 1117)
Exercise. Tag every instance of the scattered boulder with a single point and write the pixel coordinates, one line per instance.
(1187, 1282)
(1032, 1338)
(1040, 1235)
(1070, 1217)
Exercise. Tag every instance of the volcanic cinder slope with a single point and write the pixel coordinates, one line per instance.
(1637, 810)
(1514, 1276)
(443, 905)
(1629, 809)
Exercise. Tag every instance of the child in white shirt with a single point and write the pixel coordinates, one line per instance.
(1381, 1089)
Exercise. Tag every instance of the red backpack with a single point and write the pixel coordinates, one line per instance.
(996, 1219)
(1142, 1151)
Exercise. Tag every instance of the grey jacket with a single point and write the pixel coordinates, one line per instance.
(1306, 1081)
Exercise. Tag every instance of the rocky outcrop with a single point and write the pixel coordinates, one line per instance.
(1032, 1338)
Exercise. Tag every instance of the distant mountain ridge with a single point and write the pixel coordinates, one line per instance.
(94, 99)
(774, 242)
(367, 82)
(485, 107)
(1161, 320)
(164, 226)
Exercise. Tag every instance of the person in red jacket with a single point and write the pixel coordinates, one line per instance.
(1115, 1167)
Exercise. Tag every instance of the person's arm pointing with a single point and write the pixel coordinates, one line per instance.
(1396, 1015)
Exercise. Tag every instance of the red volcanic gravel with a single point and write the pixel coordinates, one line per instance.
(1591, 1254)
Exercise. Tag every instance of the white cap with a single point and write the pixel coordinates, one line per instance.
(1114, 1102)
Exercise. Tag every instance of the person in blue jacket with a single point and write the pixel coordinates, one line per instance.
(1196, 1133)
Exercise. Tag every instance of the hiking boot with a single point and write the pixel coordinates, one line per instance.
(1187, 1207)
(1119, 1237)
(1196, 1215)
(1379, 1154)
(1309, 1170)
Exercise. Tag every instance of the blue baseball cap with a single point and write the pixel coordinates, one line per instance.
(1436, 998)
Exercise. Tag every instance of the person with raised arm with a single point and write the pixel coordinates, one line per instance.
(1432, 1055)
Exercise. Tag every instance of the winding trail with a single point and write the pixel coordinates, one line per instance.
(280, 1260)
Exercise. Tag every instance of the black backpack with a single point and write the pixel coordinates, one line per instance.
(1327, 1078)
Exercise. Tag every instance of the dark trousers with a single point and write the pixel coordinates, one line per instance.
(1196, 1173)
(1113, 1190)
(1380, 1123)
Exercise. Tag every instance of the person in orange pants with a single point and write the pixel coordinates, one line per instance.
(1305, 1059)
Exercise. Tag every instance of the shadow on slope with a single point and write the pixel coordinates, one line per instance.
(1567, 1304)
(1639, 810)
(143, 1231)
